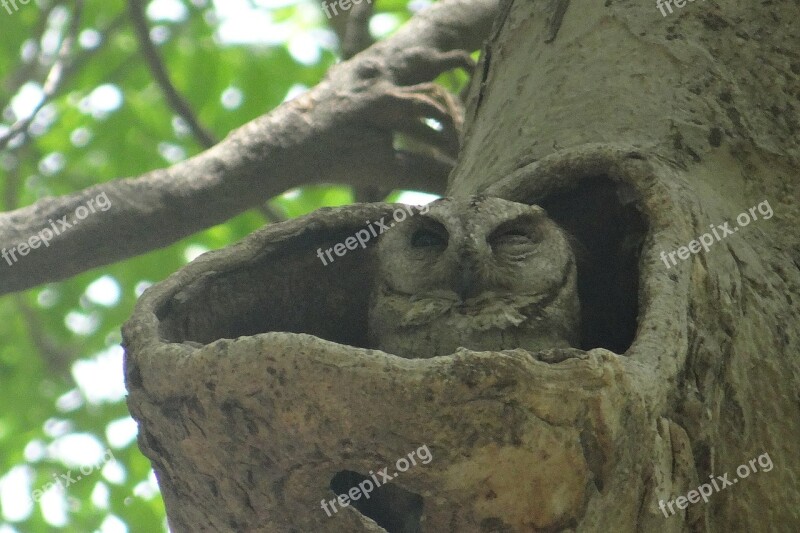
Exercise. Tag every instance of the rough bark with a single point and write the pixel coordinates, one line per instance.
(257, 395)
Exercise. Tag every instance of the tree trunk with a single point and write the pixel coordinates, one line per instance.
(665, 144)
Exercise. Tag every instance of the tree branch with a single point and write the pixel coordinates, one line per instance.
(58, 358)
(54, 78)
(355, 38)
(13, 81)
(175, 100)
(332, 134)
(272, 212)
(356, 35)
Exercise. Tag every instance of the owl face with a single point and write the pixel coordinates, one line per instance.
(474, 246)
(479, 273)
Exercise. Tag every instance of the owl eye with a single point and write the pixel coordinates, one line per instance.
(513, 236)
(515, 242)
(427, 238)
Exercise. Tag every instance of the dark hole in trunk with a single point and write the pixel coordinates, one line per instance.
(393, 508)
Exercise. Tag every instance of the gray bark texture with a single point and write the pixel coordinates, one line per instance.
(258, 396)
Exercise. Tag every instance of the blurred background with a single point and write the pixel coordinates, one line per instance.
(80, 106)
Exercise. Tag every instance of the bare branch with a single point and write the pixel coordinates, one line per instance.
(327, 135)
(16, 79)
(354, 39)
(356, 35)
(175, 100)
(58, 357)
(272, 212)
(54, 78)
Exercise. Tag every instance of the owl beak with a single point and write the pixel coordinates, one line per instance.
(466, 285)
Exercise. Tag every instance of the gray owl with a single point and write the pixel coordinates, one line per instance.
(480, 273)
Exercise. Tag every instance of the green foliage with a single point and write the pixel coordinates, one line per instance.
(48, 332)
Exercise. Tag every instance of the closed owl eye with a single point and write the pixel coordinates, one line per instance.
(428, 238)
(514, 241)
(511, 238)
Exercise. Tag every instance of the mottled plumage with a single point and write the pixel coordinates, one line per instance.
(479, 273)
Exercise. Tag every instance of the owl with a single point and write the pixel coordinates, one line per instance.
(481, 273)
